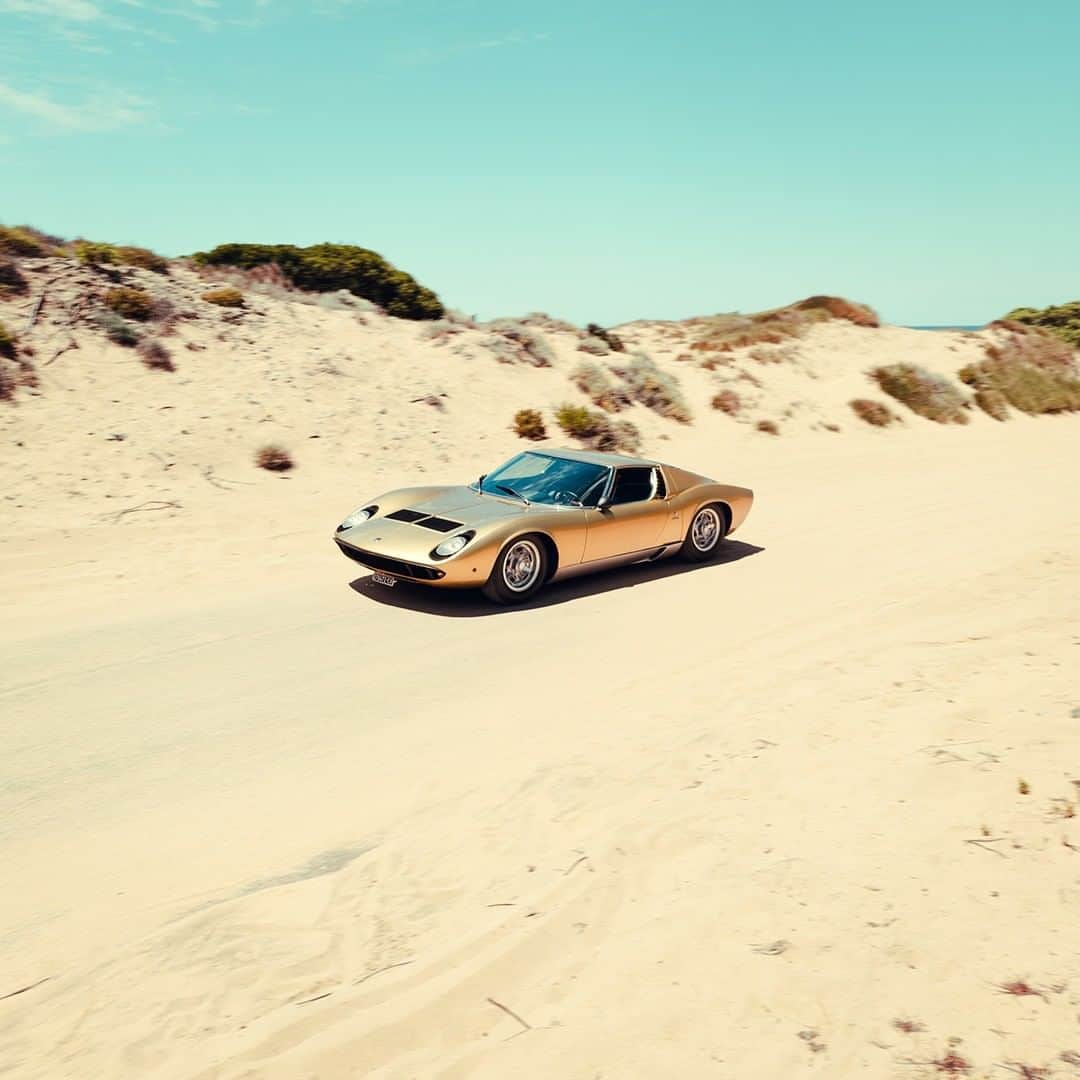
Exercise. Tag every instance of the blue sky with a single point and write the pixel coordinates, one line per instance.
(598, 160)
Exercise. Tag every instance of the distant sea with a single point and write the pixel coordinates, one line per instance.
(946, 326)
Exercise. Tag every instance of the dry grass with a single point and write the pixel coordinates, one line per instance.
(653, 388)
(594, 346)
(517, 343)
(529, 424)
(593, 380)
(130, 303)
(836, 307)
(727, 401)
(923, 392)
(23, 241)
(873, 412)
(1027, 369)
(226, 297)
(767, 427)
(154, 355)
(274, 458)
(143, 258)
(12, 282)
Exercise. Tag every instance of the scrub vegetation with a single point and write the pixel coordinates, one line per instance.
(130, 303)
(925, 393)
(226, 297)
(873, 412)
(597, 430)
(1061, 320)
(529, 424)
(653, 388)
(274, 458)
(329, 267)
(514, 342)
(593, 380)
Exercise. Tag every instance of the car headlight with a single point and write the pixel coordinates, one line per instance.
(358, 517)
(452, 546)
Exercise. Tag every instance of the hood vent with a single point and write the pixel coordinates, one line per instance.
(425, 521)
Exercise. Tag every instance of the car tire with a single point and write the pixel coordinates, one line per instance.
(519, 572)
(706, 534)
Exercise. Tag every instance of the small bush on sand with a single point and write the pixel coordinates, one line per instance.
(130, 303)
(227, 297)
(769, 427)
(923, 392)
(1030, 389)
(20, 241)
(838, 308)
(12, 283)
(654, 388)
(90, 253)
(993, 403)
(143, 258)
(727, 401)
(593, 380)
(154, 355)
(873, 412)
(117, 329)
(1061, 320)
(594, 346)
(597, 431)
(273, 458)
(1016, 343)
(608, 337)
(8, 341)
(516, 343)
(529, 424)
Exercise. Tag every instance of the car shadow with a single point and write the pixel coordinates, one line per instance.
(470, 603)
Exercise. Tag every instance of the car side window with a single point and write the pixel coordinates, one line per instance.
(634, 483)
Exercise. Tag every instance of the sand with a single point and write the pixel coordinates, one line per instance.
(262, 818)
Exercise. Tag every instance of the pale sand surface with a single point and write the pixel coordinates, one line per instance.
(695, 822)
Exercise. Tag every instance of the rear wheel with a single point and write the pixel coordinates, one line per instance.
(703, 538)
(519, 571)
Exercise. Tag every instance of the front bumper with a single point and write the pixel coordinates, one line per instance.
(401, 568)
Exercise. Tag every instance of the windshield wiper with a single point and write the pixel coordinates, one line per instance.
(516, 494)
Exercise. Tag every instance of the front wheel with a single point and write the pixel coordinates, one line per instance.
(519, 571)
(706, 531)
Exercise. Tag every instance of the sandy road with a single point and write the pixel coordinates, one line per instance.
(670, 818)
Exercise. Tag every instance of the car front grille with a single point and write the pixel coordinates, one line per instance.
(425, 521)
(406, 515)
(398, 567)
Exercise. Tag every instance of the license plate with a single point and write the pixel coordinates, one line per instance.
(383, 579)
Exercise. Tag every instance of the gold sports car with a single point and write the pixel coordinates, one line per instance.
(542, 516)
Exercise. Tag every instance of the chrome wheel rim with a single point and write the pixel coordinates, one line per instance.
(705, 530)
(521, 567)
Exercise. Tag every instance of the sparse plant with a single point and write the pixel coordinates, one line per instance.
(907, 1026)
(529, 424)
(274, 458)
(923, 392)
(154, 355)
(838, 308)
(8, 340)
(20, 241)
(595, 429)
(226, 297)
(91, 253)
(727, 401)
(12, 282)
(594, 346)
(514, 343)
(1021, 988)
(143, 258)
(993, 403)
(608, 337)
(768, 427)
(873, 412)
(952, 1064)
(130, 303)
(117, 329)
(1062, 808)
(1061, 320)
(654, 388)
(1027, 368)
(593, 380)
(1023, 787)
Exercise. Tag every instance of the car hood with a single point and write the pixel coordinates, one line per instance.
(468, 506)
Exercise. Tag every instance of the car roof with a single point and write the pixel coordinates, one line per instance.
(594, 457)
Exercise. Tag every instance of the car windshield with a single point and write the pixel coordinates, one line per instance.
(541, 478)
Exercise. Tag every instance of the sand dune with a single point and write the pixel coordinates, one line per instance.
(262, 818)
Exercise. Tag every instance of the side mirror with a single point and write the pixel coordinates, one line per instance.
(603, 502)
(480, 482)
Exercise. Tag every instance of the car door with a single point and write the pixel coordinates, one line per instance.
(635, 518)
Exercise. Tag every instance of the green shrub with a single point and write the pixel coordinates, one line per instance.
(1061, 320)
(8, 341)
(593, 380)
(20, 241)
(529, 424)
(118, 330)
(595, 429)
(653, 388)
(93, 254)
(1026, 386)
(12, 283)
(130, 303)
(329, 267)
(727, 401)
(873, 412)
(225, 297)
(154, 355)
(274, 458)
(923, 392)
